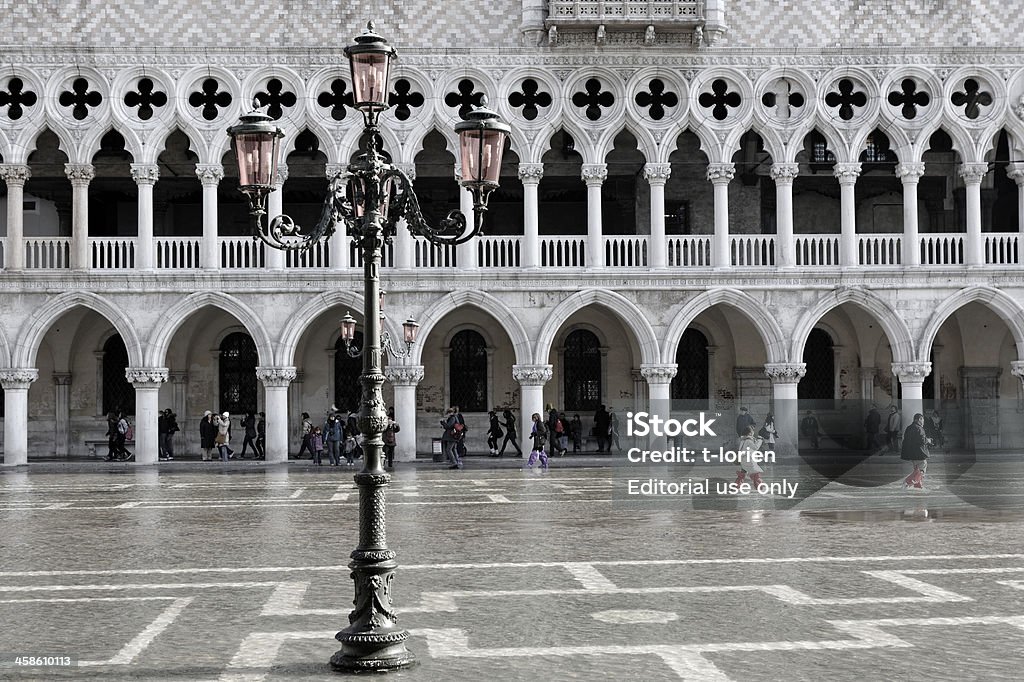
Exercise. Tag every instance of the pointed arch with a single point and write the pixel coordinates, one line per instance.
(771, 333)
(618, 304)
(40, 321)
(1008, 310)
(485, 302)
(175, 316)
(895, 328)
(305, 316)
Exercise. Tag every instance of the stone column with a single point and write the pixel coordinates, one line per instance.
(145, 176)
(847, 174)
(338, 244)
(911, 376)
(210, 175)
(147, 382)
(720, 174)
(659, 385)
(15, 383)
(910, 174)
(466, 255)
(532, 379)
(973, 174)
(1015, 173)
(404, 379)
(594, 175)
(274, 258)
(531, 174)
(15, 175)
(785, 377)
(1017, 370)
(784, 174)
(275, 386)
(405, 245)
(657, 175)
(62, 413)
(80, 174)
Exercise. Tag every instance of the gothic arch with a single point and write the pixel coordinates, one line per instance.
(172, 320)
(1008, 310)
(487, 303)
(767, 327)
(618, 304)
(302, 318)
(24, 353)
(895, 328)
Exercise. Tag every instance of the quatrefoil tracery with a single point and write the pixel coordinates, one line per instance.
(16, 98)
(465, 99)
(145, 98)
(656, 98)
(212, 99)
(908, 98)
(720, 99)
(403, 98)
(972, 98)
(846, 99)
(592, 98)
(276, 99)
(529, 97)
(337, 99)
(80, 98)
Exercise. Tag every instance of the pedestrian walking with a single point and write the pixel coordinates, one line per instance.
(613, 431)
(170, 428)
(768, 433)
(207, 435)
(809, 429)
(307, 432)
(893, 426)
(561, 436)
(461, 430)
(749, 443)
(124, 431)
(316, 442)
(744, 420)
(602, 426)
(872, 423)
(449, 442)
(539, 434)
(915, 450)
(261, 435)
(494, 432)
(111, 436)
(223, 437)
(390, 439)
(510, 434)
(334, 439)
(576, 433)
(249, 441)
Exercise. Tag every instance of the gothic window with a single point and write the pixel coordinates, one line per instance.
(467, 371)
(238, 359)
(691, 380)
(118, 394)
(347, 389)
(819, 382)
(581, 371)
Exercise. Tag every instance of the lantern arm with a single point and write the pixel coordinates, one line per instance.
(450, 231)
(387, 345)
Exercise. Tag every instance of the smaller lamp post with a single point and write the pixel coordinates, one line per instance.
(370, 198)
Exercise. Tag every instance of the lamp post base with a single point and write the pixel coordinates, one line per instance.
(370, 652)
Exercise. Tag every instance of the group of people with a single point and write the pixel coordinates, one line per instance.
(752, 439)
(215, 432)
(118, 432)
(889, 441)
(606, 430)
(341, 438)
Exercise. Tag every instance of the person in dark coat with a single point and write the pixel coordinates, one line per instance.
(207, 434)
(872, 423)
(249, 424)
(744, 420)
(494, 432)
(510, 434)
(602, 425)
(915, 449)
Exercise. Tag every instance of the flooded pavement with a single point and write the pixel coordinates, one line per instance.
(203, 573)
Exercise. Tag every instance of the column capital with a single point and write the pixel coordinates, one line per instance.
(785, 372)
(532, 375)
(408, 168)
(531, 173)
(145, 173)
(178, 376)
(333, 170)
(1015, 172)
(282, 173)
(62, 378)
(657, 173)
(276, 377)
(15, 174)
(594, 173)
(1017, 369)
(209, 174)
(784, 173)
(911, 372)
(18, 377)
(658, 374)
(846, 173)
(910, 171)
(973, 173)
(404, 375)
(80, 173)
(146, 377)
(721, 173)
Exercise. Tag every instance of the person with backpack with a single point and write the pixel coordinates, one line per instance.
(539, 434)
(561, 436)
(461, 429)
(307, 433)
(494, 432)
(167, 431)
(125, 432)
(449, 441)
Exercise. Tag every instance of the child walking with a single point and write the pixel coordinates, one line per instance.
(539, 433)
(316, 441)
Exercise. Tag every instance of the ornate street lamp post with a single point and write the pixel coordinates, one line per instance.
(370, 197)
